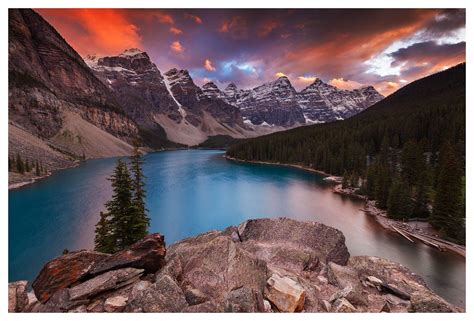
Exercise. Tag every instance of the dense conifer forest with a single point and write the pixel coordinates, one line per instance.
(407, 152)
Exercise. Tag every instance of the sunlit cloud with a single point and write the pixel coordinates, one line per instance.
(97, 31)
(280, 74)
(195, 18)
(307, 79)
(268, 27)
(163, 17)
(176, 31)
(342, 83)
(208, 65)
(176, 46)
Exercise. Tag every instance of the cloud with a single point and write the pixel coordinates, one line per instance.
(176, 46)
(248, 47)
(176, 31)
(428, 51)
(280, 74)
(195, 18)
(342, 83)
(236, 26)
(307, 79)
(99, 31)
(208, 65)
(163, 17)
(387, 87)
(268, 27)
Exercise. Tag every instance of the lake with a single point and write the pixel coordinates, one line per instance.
(193, 191)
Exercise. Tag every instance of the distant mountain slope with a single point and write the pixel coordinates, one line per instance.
(277, 103)
(429, 111)
(49, 80)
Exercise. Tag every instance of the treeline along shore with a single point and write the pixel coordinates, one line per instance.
(406, 153)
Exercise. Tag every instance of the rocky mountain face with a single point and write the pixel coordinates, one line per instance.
(49, 81)
(321, 102)
(277, 103)
(163, 105)
(262, 265)
(139, 86)
(195, 102)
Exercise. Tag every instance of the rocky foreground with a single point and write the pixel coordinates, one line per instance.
(262, 265)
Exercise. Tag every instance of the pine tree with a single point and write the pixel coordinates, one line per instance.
(9, 163)
(447, 209)
(382, 186)
(370, 182)
(399, 204)
(421, 195)
(27, 166)
(38, 172)
(20, 167)
(103, 240)
(345, 180)
(121, 208)
(140, 222)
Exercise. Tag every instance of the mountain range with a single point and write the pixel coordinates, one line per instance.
(62, 107)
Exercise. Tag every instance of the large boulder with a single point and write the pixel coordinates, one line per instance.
(17, 296)
(213, 264)
(163, 296)
(147, 254)
(64, 271)
(105, 282)
(311, 239)
(398, 281)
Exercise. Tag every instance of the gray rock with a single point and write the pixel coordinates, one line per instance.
(244, 300)
(426, 301)
(206, 307)
(342, 305)
(105, 282)
(17, 296)
(195, 296)
(323, 242)
(163, 296)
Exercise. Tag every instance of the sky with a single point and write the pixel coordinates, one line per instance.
(348, 48)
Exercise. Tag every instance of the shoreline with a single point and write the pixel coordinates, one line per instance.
(308, 169)
(419, 230)
(29, 181)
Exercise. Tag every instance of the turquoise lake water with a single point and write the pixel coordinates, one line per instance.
(193, 191)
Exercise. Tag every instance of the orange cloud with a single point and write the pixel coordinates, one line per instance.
(196, 19)
(163, 17)
(387, 87)
(237, 27)
(208, 65)
(177, 47)
(307, 78)
(342, 83)
(100, 31)
(267, 28)
(176, 31)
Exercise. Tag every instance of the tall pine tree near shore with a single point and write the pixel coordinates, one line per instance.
(140, 222)
(125, 221)
(448, 214)
(114, 224)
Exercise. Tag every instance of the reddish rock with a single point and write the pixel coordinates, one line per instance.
(64, 271)
(148, 254)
